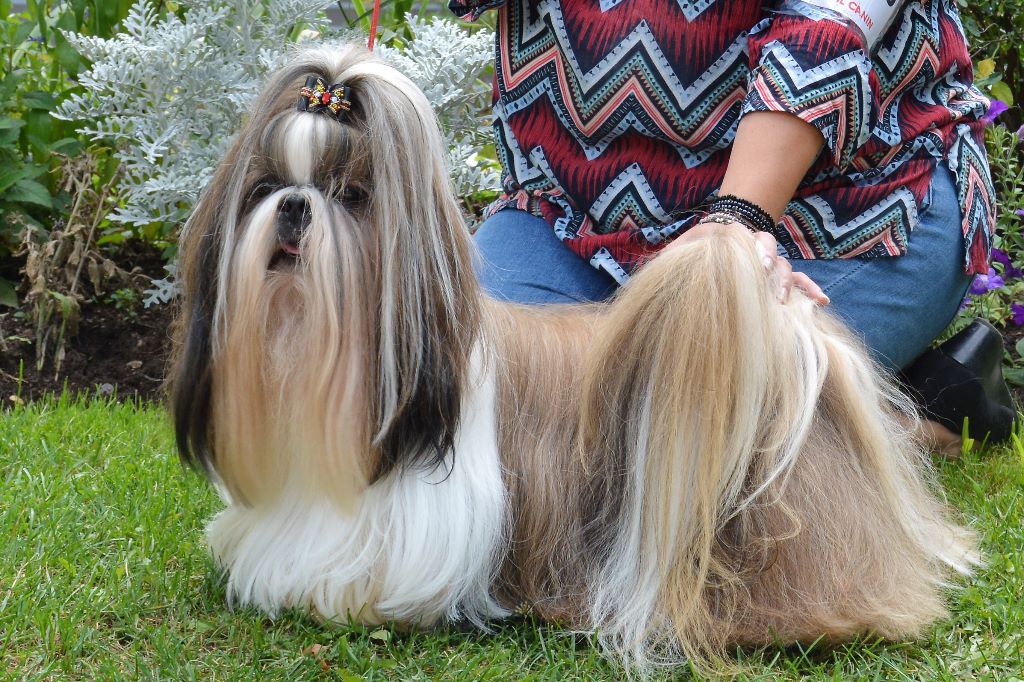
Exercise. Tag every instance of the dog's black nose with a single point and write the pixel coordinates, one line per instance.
(292, 218)
(294, 209)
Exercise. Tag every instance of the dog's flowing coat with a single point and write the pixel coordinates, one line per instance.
(691, 466)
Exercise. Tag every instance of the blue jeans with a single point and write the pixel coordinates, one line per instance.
(897, 305)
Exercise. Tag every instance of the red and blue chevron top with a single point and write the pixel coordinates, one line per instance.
(613, 120)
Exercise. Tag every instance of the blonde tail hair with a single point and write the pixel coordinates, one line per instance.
(772, 488)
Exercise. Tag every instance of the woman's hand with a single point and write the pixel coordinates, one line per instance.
(770, 257)
(770, 155)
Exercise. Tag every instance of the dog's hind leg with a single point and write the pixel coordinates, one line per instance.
(870, 544)
(770, 491)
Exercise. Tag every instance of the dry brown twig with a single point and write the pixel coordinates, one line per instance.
(56, 263)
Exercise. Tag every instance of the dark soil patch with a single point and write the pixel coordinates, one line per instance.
(118, 352)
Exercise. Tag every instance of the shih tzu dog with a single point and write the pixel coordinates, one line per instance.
(690, 467)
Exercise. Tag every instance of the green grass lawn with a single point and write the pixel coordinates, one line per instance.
(104, 576)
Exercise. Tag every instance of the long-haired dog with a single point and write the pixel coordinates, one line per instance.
(689, 467)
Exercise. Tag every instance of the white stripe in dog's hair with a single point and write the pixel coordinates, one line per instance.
(687, 468)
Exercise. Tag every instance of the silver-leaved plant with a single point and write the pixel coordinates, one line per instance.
(169, 94)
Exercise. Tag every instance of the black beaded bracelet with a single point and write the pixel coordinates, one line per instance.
(745, 212)
(723, 219)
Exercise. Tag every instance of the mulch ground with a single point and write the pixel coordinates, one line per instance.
(110, 354)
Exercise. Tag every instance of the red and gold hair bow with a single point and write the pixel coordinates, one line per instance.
(316, 96)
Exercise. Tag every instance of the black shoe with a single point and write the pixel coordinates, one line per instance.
(963, 378)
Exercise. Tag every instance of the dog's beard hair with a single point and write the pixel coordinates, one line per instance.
(291, 357)
(318, 537)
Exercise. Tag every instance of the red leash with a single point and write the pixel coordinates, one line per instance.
(374, 21)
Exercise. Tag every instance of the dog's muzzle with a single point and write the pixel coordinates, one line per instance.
(293, 217)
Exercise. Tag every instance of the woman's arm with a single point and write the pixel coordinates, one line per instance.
(808, 74)
(770, 155)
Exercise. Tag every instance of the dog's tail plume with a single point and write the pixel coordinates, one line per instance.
(775, 490)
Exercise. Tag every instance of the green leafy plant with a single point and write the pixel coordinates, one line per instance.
(127, 300)
(23, 198)
(998, 295)
(39, 67)
(995, 31)
(1006, 158)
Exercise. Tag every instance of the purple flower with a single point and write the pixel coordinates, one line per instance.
(1009, 271)
(1020, 133)
(1017, 314)
(987, 282)
(995, 108)
(1020, 212)
(964, 303)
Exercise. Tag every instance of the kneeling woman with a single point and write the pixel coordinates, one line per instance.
(624, 127)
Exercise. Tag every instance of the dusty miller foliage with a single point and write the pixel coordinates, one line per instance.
(168, 94)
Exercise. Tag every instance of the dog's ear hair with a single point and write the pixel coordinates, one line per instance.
(191, 385)
(190, 378)
(428, 294)
(423, 428)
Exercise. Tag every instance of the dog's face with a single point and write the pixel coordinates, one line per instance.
(303, 161)
(328, 307)
(290, 203)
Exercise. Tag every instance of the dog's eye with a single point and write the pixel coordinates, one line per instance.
(353, 196)
(260, 191)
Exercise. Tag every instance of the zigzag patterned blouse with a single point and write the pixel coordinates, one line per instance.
(613, 121)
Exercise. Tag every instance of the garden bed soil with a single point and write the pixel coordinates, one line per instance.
(111, 355)
(117, 352)
(124, 353)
